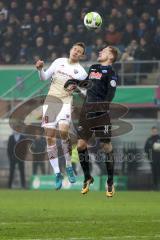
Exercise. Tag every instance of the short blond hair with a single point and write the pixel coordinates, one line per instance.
(114, 51)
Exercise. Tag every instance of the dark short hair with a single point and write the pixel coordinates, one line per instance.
(81, 44)
(154, 127)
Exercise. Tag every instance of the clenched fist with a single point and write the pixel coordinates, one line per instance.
(39, 64)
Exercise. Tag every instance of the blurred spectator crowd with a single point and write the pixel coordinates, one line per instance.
(46, 29)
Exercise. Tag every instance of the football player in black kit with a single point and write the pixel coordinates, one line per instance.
(102, 90)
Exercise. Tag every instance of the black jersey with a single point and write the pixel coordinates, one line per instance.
(101, 85)
(150, 149)
(104, 82)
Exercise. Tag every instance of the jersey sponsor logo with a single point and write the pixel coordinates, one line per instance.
(95, 75)
(113, 83)
(65, 74)
(104, 71)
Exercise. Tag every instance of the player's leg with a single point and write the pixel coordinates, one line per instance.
(84, 162)
(83, 158)
(53, 155)
(109, 161)
(22, 173)
(34, 164)
(11, 172)
(155, 172)
(66, 147)
(49, 124)
(42, 164)
(64, 123)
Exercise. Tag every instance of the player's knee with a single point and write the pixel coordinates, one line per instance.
(81, 145)
(107, 147)
(63, 130)
(64, 135)
(51, 141)
(50, 136)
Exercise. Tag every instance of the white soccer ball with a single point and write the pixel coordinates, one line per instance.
(92, 20)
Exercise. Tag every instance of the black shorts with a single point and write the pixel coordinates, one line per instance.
(95, 124)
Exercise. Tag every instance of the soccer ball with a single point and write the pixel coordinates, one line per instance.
(92, 20)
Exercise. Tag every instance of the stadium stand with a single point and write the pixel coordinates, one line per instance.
(36, 29)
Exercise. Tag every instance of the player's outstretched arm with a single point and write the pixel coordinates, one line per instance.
(44, 75)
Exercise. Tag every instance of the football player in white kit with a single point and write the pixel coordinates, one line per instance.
(57, 106)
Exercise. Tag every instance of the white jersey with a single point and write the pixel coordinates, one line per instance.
(60, 71)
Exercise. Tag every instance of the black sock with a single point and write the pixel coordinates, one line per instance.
(84, 161)
(110, 167)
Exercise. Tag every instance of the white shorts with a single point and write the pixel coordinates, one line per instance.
(53, 113)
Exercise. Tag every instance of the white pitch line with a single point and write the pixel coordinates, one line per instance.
(75, 238)
(131, 237)
(68, 222)
(101, 238)
(34, 223)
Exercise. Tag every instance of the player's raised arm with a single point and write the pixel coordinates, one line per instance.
(44, 75)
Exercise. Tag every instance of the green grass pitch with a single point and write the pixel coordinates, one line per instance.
(67, 215)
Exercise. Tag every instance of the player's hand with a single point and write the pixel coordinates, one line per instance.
(39, 64)
(71, 82)
(71, 87)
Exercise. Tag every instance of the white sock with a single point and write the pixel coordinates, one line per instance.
(53, 158)
(55, 165)
(67, 152)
